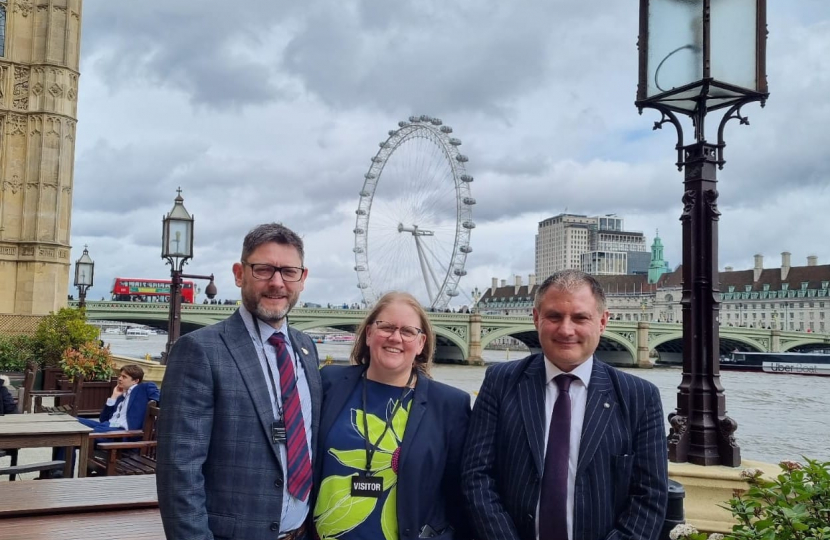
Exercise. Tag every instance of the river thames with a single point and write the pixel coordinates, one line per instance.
(779, 416)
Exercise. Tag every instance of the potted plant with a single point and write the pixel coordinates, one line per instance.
(67, 328)
(795, 505)
(93, 361)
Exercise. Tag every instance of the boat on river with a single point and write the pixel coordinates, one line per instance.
(780, 363)
(138, 333)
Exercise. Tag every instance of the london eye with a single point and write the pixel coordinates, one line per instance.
(414, 217)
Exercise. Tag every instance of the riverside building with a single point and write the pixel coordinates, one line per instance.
(786, 297)
(597, 245)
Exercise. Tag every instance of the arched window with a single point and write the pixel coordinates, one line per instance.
(2, 27)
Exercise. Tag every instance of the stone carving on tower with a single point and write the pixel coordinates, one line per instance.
(39, 60)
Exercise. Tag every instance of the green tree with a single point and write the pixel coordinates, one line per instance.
(66, 329)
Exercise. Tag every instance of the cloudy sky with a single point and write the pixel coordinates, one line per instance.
(265, 110)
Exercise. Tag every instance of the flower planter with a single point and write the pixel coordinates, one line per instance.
(94, 395)
(51, 375)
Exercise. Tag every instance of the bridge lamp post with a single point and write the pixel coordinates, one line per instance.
(697, 56)
(84, 273)
(177, 249)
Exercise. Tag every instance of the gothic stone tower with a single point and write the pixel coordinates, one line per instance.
(39, 57)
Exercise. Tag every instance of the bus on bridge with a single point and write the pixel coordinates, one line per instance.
(149, 290)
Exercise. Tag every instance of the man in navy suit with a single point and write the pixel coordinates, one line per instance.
(562, 446)
(127, 406)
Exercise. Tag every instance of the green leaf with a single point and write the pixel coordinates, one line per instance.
(376, 425)
(338, 511)
(389, 477)
(356, 459)
(388, 516)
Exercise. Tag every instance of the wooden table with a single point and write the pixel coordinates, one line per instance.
(66, 495)
(47, 430)
(97, 508)
(121, 525)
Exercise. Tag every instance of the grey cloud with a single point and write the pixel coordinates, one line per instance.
(217, 53)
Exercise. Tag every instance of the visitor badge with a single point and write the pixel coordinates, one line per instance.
(364, 485)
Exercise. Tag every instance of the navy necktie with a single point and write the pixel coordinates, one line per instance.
(296, 444)
(553, 501)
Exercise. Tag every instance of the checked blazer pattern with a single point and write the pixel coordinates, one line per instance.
(218, 474)
(621, 477)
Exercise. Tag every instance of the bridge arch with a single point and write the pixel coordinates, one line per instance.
(511, 331)
(728, 344)
(805, 345)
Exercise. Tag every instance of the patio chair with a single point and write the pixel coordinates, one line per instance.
(68, 398)
(125, 458)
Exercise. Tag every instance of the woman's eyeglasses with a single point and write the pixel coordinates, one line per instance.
(408, 333)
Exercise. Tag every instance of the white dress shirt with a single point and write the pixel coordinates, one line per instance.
(579, 400)
(294, 511)
(119, 417)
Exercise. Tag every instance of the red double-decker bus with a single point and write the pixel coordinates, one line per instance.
(149, 290)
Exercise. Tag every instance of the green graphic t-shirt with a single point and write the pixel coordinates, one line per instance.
(339, 515)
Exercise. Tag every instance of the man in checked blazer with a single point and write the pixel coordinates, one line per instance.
(222, 464)
(613, 476)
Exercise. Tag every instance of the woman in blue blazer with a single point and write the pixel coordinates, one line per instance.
(389, 455)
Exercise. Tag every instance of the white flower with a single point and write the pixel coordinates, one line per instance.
(750, 473)
(681, 531)
(716, 536)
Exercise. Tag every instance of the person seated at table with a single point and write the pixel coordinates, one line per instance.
(127, 406)
(7, 404)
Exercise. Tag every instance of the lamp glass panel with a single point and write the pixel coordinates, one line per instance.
(179, 238)
(734, 37)
(675, 44)
(83, 274)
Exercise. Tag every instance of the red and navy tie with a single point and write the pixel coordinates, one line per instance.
(299, 462)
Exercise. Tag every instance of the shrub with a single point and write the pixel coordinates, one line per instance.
(91, 360)
(60, 331)
(793, 506)
(16, 352)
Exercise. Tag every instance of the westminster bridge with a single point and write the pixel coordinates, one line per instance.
(462, 336)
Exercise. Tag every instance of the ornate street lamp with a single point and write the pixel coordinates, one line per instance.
(84, 273)
(177, 248)
(476, 297)
(698, 56)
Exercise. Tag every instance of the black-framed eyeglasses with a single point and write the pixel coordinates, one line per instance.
(408, 333)
(265, 272)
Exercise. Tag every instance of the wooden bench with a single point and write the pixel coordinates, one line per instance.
(101, 508)
(46, 469)
(30, 394)
(126, 458)
(121, 525)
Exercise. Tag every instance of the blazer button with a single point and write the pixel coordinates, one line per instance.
(278, 483)
(406, 532)
(529, 517)
(275, 526)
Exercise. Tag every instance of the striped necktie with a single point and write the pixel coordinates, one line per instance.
(553, 501)
(299, 462)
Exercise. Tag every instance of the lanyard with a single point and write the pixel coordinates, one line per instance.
(371, 448)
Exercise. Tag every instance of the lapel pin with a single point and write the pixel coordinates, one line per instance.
(607, 405)
(305, 351)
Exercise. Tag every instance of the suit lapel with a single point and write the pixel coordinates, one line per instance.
(599, 410)
(531, 394)
(337, 396)
(241, 348)
(408, 468)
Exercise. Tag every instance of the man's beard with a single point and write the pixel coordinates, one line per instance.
(270, 316)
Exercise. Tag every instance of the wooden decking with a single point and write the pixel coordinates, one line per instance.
(122, 507)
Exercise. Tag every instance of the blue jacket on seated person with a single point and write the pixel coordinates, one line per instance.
(140, 395)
